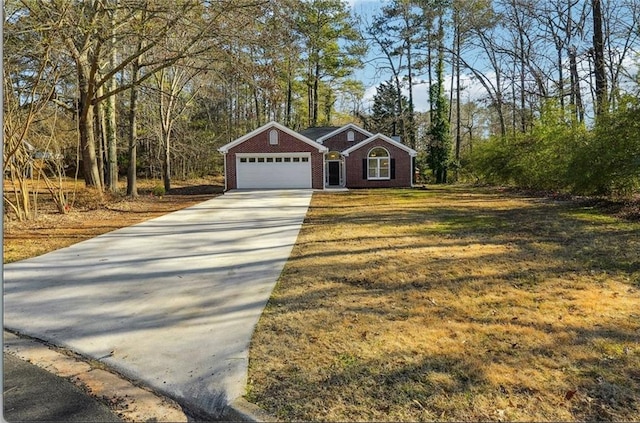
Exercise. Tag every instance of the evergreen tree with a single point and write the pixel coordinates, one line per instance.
(440, 142)
(331, 47)
(388, 110)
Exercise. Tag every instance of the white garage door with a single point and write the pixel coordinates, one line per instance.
(286, 170)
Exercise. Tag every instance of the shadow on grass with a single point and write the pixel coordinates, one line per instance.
(465, 305)
(575, 239)
(390, 388)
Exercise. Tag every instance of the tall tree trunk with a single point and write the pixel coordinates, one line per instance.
(132, 186)
(514, 112)
(316, 87)
(500, 109)
(458, 93)
(86, 123)
(410, 128)
(523, 66)
(99, 128)
(166, 164)
(287, 118)
(256, 104)
(441, 131)
(598, 53)
(560, 77)
(111, 138)
(576, 97)
(87, 139)
(430, 78)
(310, 96)
(398, 109)
(165, 110)
(110, 116)
(453, 62)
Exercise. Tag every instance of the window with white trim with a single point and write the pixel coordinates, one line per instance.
(351, 136)
(273, 137)
(378, 163)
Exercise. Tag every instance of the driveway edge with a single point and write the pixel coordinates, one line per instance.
(241, 410)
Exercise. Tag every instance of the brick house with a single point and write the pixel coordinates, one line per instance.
(274, 156)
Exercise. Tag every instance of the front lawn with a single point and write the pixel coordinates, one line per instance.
(453, 304)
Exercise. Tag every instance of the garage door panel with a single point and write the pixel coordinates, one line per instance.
(273, 171)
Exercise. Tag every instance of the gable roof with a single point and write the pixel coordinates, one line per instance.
(361, 144)
(342, 129)
(316, 132)
(225, 148)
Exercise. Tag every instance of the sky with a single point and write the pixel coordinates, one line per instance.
(368, 75)
(472, 89)
(371, 77)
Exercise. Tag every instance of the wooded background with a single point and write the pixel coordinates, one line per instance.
(538, 94)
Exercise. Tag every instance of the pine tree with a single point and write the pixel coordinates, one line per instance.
(388, 110)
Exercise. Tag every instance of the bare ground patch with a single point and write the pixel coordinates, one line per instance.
(453, 304)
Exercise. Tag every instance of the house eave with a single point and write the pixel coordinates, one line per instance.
(225, 148)
(342, 129)
(410, 151)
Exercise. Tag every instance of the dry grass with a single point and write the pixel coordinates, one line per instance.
(92, 215)
(453, 304)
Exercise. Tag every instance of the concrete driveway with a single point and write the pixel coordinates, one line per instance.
(171, 302)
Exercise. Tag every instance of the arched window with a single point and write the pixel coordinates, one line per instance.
(378, 164)
(273, 137)
(351, 136)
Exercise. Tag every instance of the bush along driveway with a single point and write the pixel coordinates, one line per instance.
(453, 304)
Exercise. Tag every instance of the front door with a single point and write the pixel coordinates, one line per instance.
(334, 173)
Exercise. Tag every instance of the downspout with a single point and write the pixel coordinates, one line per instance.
(226, 187)
(324, 169)
(412, 170)
(226, 179)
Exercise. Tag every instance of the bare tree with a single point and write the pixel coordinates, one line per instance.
(173, 100)
(29, 82)
(598, 53)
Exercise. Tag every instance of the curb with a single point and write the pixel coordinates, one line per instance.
(130, 402)
(241, 410)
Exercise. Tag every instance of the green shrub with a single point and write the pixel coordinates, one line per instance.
(538, 159)
(609, 162)
(158, 191)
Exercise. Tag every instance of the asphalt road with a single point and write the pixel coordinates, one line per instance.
(33, 394)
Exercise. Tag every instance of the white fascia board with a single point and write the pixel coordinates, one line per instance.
(411, 151)
(225, 148)
(342, 129)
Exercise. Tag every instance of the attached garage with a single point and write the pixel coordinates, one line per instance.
(286, 170)
(273, 157)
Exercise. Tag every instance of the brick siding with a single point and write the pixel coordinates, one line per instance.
(403, 167)
(339, 141)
